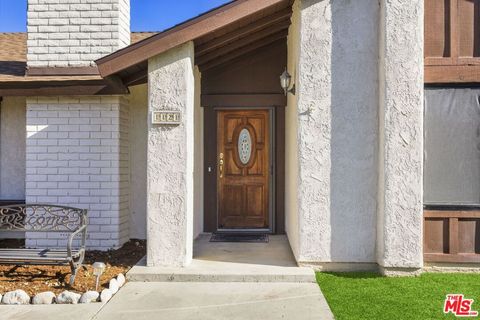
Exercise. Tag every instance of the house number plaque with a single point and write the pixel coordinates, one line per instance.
(166, 117)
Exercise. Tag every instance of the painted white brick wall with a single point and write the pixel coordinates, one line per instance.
(78, 155)
(65, 33)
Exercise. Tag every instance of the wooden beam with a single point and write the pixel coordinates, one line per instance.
(452, 258)
(243, 100)
(57, 88)
(451, 214)
(116, 84)
(202, 59)
(454, 36)
(452, 74)
(245, 50)
(281, 16)
(139, 81)
(205, 24)
(453, 235)
(136, 77)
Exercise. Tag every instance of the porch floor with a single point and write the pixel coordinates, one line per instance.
(231, 262)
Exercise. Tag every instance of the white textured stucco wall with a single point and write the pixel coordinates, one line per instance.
(138, 101)
(77, 155)
(198, 162)
(400, 212)
(314, 130)
(291, 145)
(12, 148)
(170, 160)
(336, 81)
(354, 130)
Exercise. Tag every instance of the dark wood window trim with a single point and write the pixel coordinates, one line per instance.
(452, 67)
(449, 236)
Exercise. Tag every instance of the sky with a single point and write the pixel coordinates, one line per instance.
(147, 15)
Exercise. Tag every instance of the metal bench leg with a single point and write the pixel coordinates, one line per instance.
(74, 269)
(75, 264)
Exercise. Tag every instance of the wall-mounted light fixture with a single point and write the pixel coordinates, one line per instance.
(286, 82)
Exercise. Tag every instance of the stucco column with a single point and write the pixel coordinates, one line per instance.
(313, 127)
(399, 228)
(170, 159)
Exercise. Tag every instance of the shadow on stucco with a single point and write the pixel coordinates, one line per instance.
(354, 130)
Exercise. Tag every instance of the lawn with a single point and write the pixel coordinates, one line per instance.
(370, 296)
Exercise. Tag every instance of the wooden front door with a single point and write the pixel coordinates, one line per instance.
(243, 176)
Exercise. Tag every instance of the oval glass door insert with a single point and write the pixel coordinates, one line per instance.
(244, 146)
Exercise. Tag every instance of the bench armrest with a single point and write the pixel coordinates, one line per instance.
(83, 230)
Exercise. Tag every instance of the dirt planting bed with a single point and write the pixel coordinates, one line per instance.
(35, 279)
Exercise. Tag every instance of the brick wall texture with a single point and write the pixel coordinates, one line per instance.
(78, 155)
(65, 33)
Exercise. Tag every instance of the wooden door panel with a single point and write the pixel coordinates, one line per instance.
(243, 148)
(231, 168)
(255, 201)
(258, 166)
(258, 123)
(233, 199)
(232, 122)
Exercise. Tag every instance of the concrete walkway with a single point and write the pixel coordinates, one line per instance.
(191, 300)
(50, 312)
(224, 281)
(231, 281)
(204, 300)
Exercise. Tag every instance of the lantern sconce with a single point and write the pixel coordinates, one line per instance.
(286, 82)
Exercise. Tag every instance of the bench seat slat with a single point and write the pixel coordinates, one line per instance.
(32, 250)
(49, 251)
(32, 259)
(34, 262)
(29, 256)
(34, 255)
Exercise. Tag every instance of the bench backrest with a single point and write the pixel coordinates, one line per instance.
(40, 217)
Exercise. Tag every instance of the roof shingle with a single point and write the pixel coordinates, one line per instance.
(13, 58)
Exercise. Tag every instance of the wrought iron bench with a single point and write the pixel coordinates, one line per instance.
(45, 218)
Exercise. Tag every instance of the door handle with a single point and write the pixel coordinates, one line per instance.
(220, 165)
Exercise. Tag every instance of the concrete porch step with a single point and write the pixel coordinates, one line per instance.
(231, 262)
(208, 271)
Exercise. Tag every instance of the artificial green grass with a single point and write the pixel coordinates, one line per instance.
(371, 296)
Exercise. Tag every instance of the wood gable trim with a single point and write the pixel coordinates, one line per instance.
(64, 87)
(61, 71)
(188, 31)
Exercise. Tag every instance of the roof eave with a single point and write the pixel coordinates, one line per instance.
(61, 87)
(183, 33)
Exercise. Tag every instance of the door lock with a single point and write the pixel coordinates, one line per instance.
(220, 165)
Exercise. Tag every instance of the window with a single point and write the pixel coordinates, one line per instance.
(452, 146)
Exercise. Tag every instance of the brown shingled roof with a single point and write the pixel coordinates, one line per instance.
(13, 55)
(13, 58)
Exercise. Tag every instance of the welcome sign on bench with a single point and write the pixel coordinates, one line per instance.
(45, 218)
